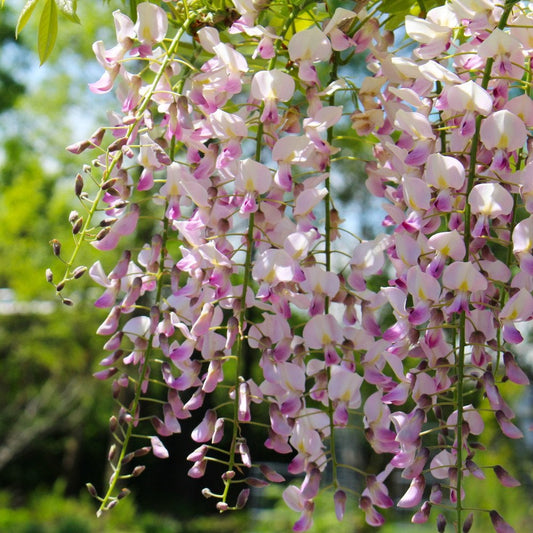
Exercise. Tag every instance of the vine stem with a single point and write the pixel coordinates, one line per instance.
(467, 240)
(327, 231)
(116, 158)
(160, 274)
(242, 348)
(138, 390)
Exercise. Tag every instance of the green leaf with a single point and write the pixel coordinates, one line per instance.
(25, 15)
(68, 8)
(47, 30)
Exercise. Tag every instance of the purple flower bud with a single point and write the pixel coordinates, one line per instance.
(441, 523)
(112, 453)
(110, 324)
(218, 433)
(56, 247)
(505, 478)
(244, 452)
(198, 454)
(311, 484)
(467, 524)
(436, 494)
(513, 371)
(138, 470)
(114, 342)
(422, 516)
(339, 499)
(271, 475)
(123, 493)
(78, 185)
(79, 147)
(507, 427)
(128, 458)
(145, 450)
(92, 490)
(158, 448)
(105, 374)
(79, 271)
(112, 358)
(242, 498)
(414, 493)
(256, 482)
(204, 431)
(500, 525)
(76, 227)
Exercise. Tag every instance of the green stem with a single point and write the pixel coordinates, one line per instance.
(467, 240)
(327, 249)
(107, 172)
(241, 348)
(108, 498)
(138, 390)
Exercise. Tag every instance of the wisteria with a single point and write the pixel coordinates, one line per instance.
(213, 180)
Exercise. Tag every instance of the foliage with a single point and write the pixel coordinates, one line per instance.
(240, 290)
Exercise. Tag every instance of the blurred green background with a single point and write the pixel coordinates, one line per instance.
(54, 415)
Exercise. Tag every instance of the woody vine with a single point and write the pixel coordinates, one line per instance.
(223, 143)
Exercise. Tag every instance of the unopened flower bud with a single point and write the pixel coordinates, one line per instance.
(226, 476)
(102, 233)
(92, 490)
(73, 216)
(256, 482)
(79, 271)
(49, 276)
(138, 470)
(105, 374)
(145, 450)
(467, 524)
(68, 302)
(111, 504)
(206, 493)
(97, 136)
(56, 247)
(500, 525)
(78, 185)
(79, 147)
(112, 452)
(222, 506)
(223, 225)
(441, 523)
(113, 423)
(123, 493)
(109, 183)
(127, 458)
(242, 498)
(77, 226)
(109, 221)
(118, 144)
(60, 286)
(119, 204)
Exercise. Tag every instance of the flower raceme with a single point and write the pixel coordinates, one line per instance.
(227, 156)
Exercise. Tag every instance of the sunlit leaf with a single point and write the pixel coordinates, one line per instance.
(25, 15)
(68, 8)
(47, 30)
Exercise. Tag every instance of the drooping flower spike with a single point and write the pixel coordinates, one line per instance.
(224, 158)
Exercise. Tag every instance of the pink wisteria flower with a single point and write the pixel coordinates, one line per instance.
(251, 302)
(307, 47)
(271, 87)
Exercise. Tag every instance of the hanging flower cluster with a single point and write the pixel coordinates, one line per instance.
(223, 147)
